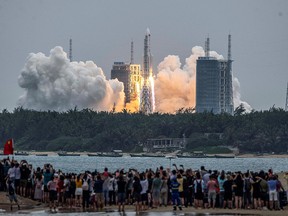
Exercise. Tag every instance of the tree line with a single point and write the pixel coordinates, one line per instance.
(88, 130)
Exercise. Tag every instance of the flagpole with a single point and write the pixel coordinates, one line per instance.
(13, 149)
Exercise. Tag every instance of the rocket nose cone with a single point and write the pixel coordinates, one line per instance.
(148, 32)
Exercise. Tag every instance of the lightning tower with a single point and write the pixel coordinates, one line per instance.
(286, 105)
(147, 90)
(132, 53)
(70, 50)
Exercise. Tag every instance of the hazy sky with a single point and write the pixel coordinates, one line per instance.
(102, 32)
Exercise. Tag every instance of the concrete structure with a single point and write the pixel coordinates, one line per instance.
(121, 71)
(214, 92)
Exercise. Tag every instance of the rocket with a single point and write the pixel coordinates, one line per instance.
(147, 60)
(147, 100)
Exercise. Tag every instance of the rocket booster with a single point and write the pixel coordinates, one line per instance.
(147, 64)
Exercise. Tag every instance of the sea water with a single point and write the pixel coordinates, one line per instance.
(82, 163)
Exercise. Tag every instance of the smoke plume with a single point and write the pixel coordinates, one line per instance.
(175, 86)
(54, 83)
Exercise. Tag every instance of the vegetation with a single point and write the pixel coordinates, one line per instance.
(87, 130)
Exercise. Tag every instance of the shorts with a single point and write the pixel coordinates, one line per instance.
(227, 196)
(144, 197)
(137, 197)
(78, 192)
(23, 183)
(17, 182)
(212, 195)
(181, 194)
(273, 195)
(46, 188)
(121, 198)
(199, 196)
(52, 195)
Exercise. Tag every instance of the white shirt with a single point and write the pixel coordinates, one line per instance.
(17, 173)
(11, 172)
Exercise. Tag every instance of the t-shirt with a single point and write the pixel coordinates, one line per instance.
(47, 177)
(144, 184)
(17, 173)
(11, 172)
(52, 185)
(272, 185)
(221, 182)
(156, 184)
(98, 186)
(211, 186)
(228, 186)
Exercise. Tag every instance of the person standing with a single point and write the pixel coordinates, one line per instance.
(211, 187)
(52, 188)
(136, 191)
(121, 185)
(175, 194)
(156, 186)
(12, 194)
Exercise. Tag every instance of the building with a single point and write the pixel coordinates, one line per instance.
(121, 71)
(214, 91)
(135, 81)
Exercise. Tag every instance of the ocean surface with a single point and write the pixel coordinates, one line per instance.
(82, 163)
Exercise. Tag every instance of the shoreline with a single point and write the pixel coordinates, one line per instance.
(29, 206)
(126, 154)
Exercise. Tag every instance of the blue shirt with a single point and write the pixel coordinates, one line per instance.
(272, 185)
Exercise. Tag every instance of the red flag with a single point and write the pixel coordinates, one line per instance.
(8, 147)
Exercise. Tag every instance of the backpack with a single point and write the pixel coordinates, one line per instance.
(85, 185)
(199, 186)
(248, 185)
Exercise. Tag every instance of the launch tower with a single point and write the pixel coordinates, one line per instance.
(147, 90)
(214, 91)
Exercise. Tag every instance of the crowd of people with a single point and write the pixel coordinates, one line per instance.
(179, 187)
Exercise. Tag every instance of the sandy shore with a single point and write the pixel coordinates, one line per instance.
(29, 206)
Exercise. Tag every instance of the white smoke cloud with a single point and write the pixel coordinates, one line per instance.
(54, 83)
(237, 96)
(175, 86)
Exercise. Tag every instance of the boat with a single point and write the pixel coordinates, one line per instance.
(109, 155)
(21, 153)
(224, 156)
(92, 155)
(152, 155)
(171, 157)
(67, 154)
(195, 154)
(136, 155)
(41, 154)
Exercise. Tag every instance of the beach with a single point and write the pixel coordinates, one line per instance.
(29, 206)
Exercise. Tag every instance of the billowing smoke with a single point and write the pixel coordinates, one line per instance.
(175, 86)
(237, 96)
(54, 83)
